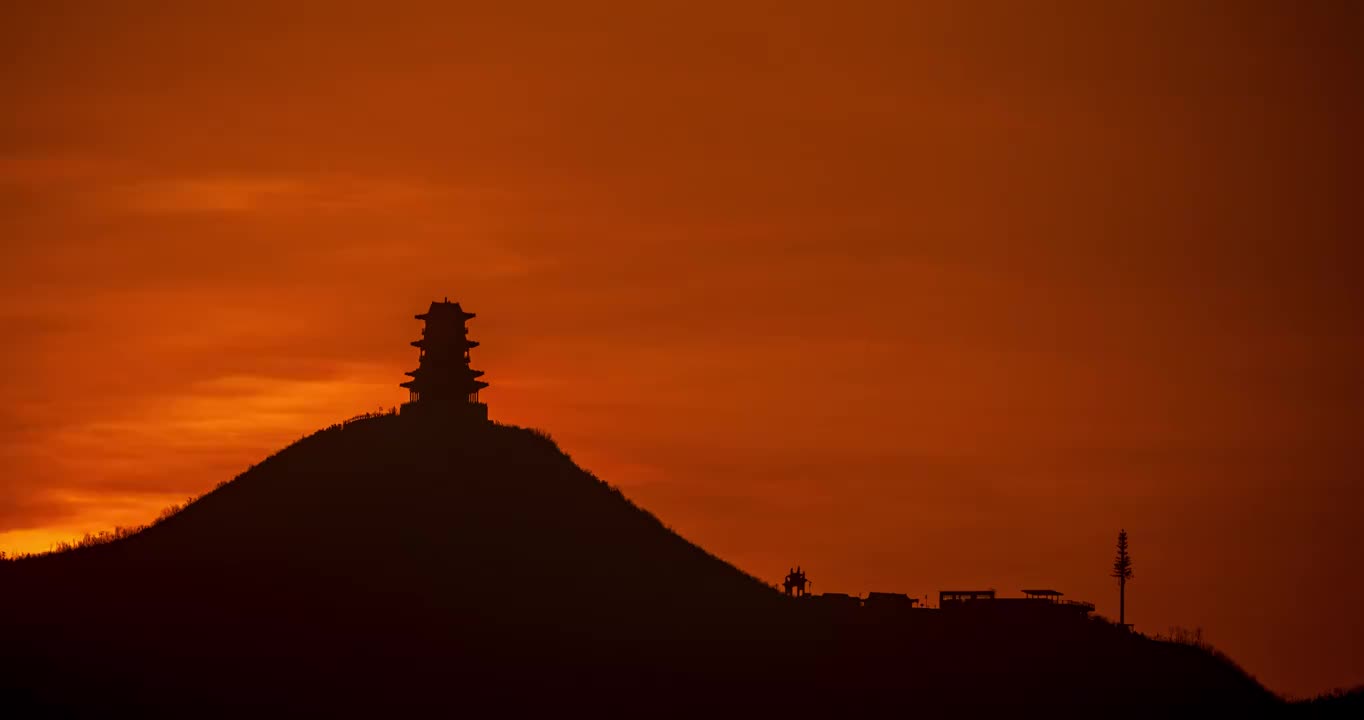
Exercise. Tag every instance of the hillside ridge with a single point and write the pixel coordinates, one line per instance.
(413, 562)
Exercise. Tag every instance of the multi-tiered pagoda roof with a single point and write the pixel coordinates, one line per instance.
(443, 377)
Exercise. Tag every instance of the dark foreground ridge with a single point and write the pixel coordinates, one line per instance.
(417, 564)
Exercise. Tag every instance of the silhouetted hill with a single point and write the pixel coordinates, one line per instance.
(1337, 703)
(401, 565)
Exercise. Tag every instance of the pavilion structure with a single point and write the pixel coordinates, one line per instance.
(443, 381)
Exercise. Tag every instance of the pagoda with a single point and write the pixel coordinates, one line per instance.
(443, 381)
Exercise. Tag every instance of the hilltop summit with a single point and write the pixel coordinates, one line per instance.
(391, 549)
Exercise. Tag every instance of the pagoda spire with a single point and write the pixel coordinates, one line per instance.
(443, 380)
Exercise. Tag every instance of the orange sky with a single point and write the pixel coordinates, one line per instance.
(914, 295)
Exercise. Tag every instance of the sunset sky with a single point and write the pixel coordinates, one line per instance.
(916, 295)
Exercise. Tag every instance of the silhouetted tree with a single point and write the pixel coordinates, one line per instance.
(1122, 570)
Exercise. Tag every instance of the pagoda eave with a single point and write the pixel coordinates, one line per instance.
(465, 315)
(466, 344)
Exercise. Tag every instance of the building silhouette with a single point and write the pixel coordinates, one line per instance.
(889, 601)
(958, 598)
(443, 381)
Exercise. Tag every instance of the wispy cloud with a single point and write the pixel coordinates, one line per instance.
(278, 193)
(206, 195)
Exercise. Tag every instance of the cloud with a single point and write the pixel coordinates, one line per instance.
(290, 194)
(207, 195)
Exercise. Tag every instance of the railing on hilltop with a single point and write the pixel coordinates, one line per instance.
(370, 416)
(361, 418)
